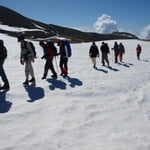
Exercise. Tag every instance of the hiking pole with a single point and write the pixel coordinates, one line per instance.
(56, 65)
(112, 53)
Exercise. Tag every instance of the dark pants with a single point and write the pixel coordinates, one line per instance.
(2, 73)
(138, 55)
(116, 57)
(105, 59)
(49, 65)
(64, 65)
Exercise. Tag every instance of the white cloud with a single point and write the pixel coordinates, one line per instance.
(145, 33)
(105, 24)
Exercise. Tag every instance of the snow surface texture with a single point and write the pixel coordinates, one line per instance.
(93, 109)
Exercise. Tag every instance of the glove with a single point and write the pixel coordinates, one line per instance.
(32, 59)
(22, 62)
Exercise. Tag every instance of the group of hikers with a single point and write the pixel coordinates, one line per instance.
(28, 54)
(119, 51)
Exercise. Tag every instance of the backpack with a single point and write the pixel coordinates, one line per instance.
(51, 44)
(33, 48)
(67, 48)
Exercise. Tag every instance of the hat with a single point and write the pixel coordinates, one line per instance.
(21, 37)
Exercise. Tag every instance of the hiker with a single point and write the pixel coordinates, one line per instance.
(48, 55)
(27, 57)
(116, 51)
(63, 64)
(138, 51)
(105, 51)
(121, 51)
(3, 56)
(93, 53)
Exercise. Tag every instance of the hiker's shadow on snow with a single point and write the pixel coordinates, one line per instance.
(56, 84)
(125, 64)
(112, 68)
(4, 104)
(74, 82)
(34, 93)
(102, 70)
(144, 60)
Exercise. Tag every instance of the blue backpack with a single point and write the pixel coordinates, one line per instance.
(67, 48)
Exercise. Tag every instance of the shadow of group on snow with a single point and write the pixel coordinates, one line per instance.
(106, 68)
(55, 83)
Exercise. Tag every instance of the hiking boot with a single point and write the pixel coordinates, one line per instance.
(43, 78)
(54, 76)
(5, 86)
(32, 80)
(26, 83)
(61, 74)
(65, 75)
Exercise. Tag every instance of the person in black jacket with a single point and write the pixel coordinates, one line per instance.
(116, 51)
(63, 64)
(104, 50)
(3, 56)
(93, 53)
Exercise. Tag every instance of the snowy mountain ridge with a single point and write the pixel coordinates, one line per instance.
(37, 29)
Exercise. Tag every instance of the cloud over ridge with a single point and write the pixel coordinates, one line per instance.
(105, 24)
(145, 33)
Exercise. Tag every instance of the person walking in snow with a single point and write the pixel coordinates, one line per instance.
(3, 56)
(27, 57)
(63, 64)
(116, 51)
(93, 53)
(138, 51)
(48, 55)
(104, 51)
(121, 51)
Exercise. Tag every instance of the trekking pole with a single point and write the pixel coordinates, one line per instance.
(56, 65)
(112, 53)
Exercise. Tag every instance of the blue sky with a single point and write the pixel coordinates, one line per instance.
(129, 15)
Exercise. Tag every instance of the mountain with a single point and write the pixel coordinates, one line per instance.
(37, 30)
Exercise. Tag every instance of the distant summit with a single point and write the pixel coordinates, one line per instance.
(13, 24)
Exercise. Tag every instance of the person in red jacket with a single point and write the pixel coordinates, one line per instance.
(121, 51)
(138, 51)
(48, 56)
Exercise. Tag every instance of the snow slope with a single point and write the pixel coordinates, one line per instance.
(94, 109)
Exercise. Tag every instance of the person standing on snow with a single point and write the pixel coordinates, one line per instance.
(116, 51)
(3, 56)
(138, 51)
(63, 64)
(93, 53)
(105, 51)
(26, 57)
(121, 51)
(48, 55)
